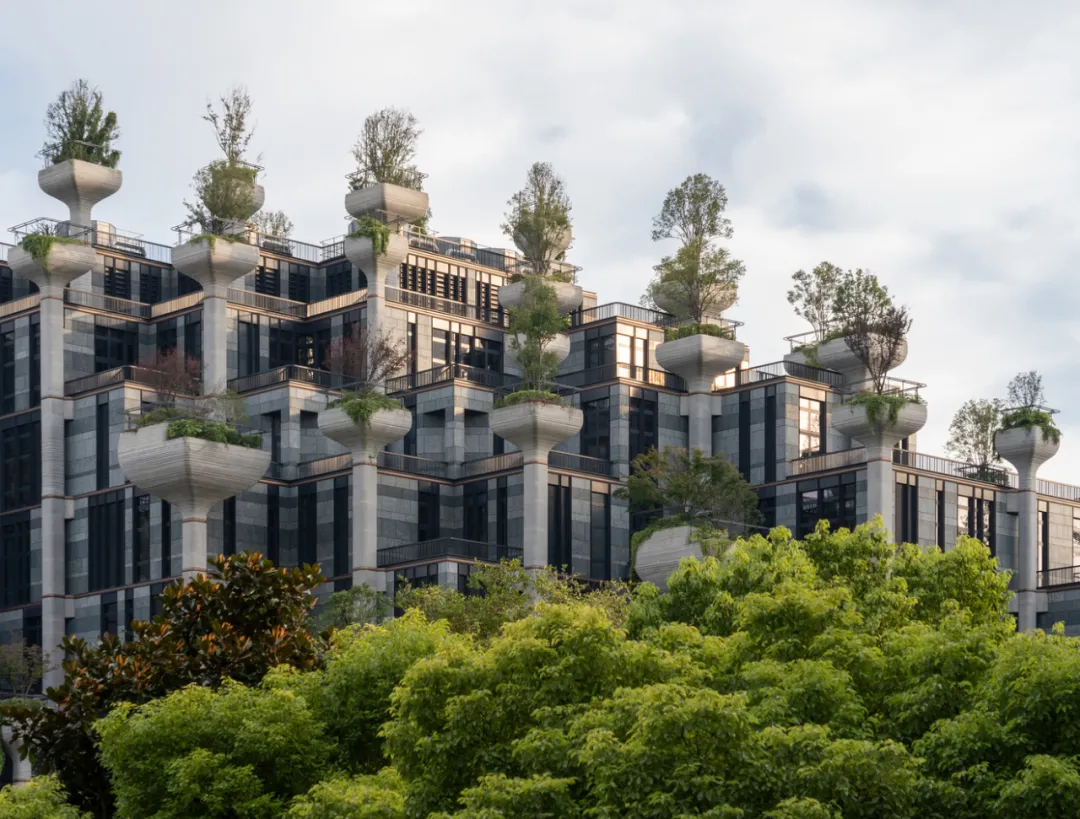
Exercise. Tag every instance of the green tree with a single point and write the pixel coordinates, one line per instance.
(357, 605)
(813, 295)
(971, 433)
(21, 667)
(77, 127)
(385, 150)
(534, 324)
(538, 219)
(273, 223)
(40, 798)
(202, 754)
(378, 796)
(1026, 390)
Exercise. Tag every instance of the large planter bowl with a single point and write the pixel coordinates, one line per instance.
(396, 201)
(1026, 449)
(190, 472)
(559, 245)
(560, 345)
(700, 359)
(63, 262)
(215, 264)
(836, 355)
(568, 297)
(659, 555)
(361, 252)
(365, 442)
(535, 427)
(671, 301)
(80, 185)
(851, 420)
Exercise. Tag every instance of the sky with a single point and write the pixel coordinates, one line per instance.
(936, 144)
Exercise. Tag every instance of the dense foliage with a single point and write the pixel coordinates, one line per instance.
(534, 324)
(538, 218)
(1029, 418)
(38, 245)
(883, 407)
(209, 430)
(693, 329)
(78, 127)
(361, 406)
(378, 233)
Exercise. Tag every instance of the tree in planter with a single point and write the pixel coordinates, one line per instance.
(366, 360)
(874, 328)
(1026, 390)
(813, 295)
(385, 152)
(77, 127)
(538, 218)
(700, 277)
(21, 667)
(243, 619)
(971, 433)
(171, 375)
(273, 223)
(534, 323)
(1026, 406)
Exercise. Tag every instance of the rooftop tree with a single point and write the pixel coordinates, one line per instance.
(813, 295)
(78, 127)
(385, 150)
(700, 278)
(534, 323)
(1026, 406)
(971, 433)
(538, 220)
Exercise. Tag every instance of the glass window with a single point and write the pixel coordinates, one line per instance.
(476, 511)
(643, 425)
(7, 371)
(559, 552)
(427, 512)
(596, 429)
(342, 560)
(440, 347)
(15, 559)
(140, 538)
(307, 520)
(114, 347)
(106, 540)
(268, 277)
(600, 537)
(248, 362)
(338, 279)
(810, 418)
(117, 278)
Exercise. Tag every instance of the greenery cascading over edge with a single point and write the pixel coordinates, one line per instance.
(361, 406)
(1030, 417)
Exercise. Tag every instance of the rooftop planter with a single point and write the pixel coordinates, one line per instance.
(80, 185)
(398, 202)
(193, 462)
(535, 422)
(699, 358)
(669, 300)
(836, 354)
(366, 422)
(215, 260)
(880, 420)
(1027, 439)
(559, 345)
(659, 554)
(568, 297)
(376, 245)
(52, 260)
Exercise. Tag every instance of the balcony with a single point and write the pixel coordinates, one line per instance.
(10, 308)
(618, 309)
(445, 547)
(779, 370)
(447, 373)
(497, 258)
(573, 462)
(611, 372)
(1059, 577)
(828, 461)
(961, 470)
(291, 373)
(107, 304)
(486, 315)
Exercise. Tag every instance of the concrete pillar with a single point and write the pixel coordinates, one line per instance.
(535, 479)
(700, 418)
(1027, 450)
(194, 529)
(215, 323)
(454, 434)
(22, 772)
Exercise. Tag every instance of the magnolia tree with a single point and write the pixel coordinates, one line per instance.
(701, 278)
(78, 127)
(538, 219)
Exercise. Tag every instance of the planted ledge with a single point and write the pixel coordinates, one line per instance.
(535, 422)
(879, 420)
(699, 359)
(378, 252)
(80, 185)
(559, 345)
(166, 460)
(215, 260)
(568, 297)
(365, 423)
(53, 261)
(671, 301)
(396, 201)
(1027, 446)
(660, 553)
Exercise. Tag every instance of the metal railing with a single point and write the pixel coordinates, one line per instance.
(332, 248)
(443, 547)
(610, 372)
(338, 302)
(43, 225)
(18, 305)
(781, 369)
(465, 250)
(803, 339)
(580, 463)
(130, 244)
(295, 373)
(963, 470)
(488, 315)
(892, 386)
(1063, 491)
(618, 309)
(830, 460)
(407, 178)
(324, 466)
(284, 246)
(487, 466)
(118, 375)
(1061, 576)
(272, 304)
(450, 372)
(413, 465)
(177, 304)
(109, 304)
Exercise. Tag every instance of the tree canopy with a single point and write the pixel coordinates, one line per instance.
(538, 218)
(78, 127)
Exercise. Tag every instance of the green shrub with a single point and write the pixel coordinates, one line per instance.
(159, 415)
(38, 245)
(1029, 417)
(360, 406)
(209, 430)
(883, 407)
(695, 329)
(370, 228)
(526, 396)
(211, 238)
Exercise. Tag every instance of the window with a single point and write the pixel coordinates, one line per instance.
(770, 434)
(811, 426)
(101, 440)
(338, 279)
(643, 422)
(299, 282)
(20, 457)
(282, 345)
(35, 360)
(268, 276)
(767, 506)
(114, 346)
(166, 539)
(106, 557)
(117, 278)
(906, 510)
(975, 515)
(166, 336)
(596, 428)
(412, 348)
(599, 351)
(831, 498)
(744, 433)
(186, 284)
(409, 441)
(427, 519)
(7, 370)
(502, 517)
(228, 517)
(193, 337)
(7, 284)
(307, 522)
(941, 515)
(15, 559)
(149, 284)
(140, 538)
(487, 354)
(342, 559)
(475, 511)
(559, 542)
(274, 424)
(248, 362)
(1042, 556)
(600, 534)
(273, 535)
(110, 615)
(440, 347)
(1076, 537)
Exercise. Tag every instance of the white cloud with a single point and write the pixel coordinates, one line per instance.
(939, 141)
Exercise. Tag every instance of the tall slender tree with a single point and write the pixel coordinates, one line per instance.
(538, 220)
(78, 127)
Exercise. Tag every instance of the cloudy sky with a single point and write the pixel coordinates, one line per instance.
(935, 143)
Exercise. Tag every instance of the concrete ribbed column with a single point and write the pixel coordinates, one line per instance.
(215, 346)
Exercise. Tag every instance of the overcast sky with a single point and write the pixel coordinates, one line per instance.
(934, 143)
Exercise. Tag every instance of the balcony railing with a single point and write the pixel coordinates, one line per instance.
(413, 465)
(610, 372)
(1061, 576)
(338, 302)
(450, 372)
(291, 372)
(175, 305)
(488, 466)
(119, 375)
(109, 304)
(580, 463)
(777, 370)
(618, 309)
(892, 386)
(272, 304)
(955, 469)
(830, 460)
(10, 308)
(1064, 491)
(445, 547)
(488, 315)
(497, 258)
(130, 244)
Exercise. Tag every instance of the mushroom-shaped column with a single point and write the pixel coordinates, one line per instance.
(193, 474)
(659, 555)
(837, 355)
(80, 185)
(9, 747)
(1027, 450)
(370, 249)
(365, 441)
(872, 426)
(215, 263)
(699, 359)
(51, 263)
(535, 427)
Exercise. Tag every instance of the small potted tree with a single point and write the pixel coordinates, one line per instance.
(81, 160)
(538, 222)
(1028, 436)
(813, 296)
(533, 417)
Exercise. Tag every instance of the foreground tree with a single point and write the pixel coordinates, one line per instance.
(273, 223)
(78, 127)
(971, 433)
(538, 219)
(21, 667)
(41, 798)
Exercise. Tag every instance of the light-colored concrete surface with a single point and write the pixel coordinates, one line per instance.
(80, 185)
(659, 555)
(700, 359)
(1027, 450)
(671, 300)
(535, 427)
(568, 297)
(395, 200)
(365, 442)
(837, 355)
